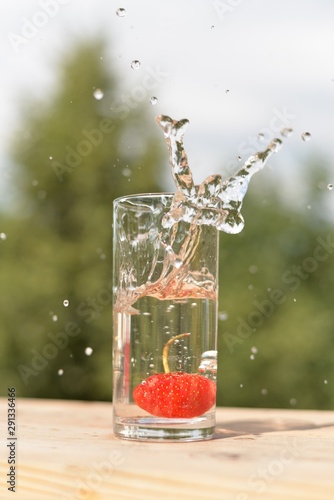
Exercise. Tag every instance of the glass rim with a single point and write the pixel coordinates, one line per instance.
(142, 196)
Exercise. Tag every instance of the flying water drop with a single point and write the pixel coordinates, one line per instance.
(60, 372)
(286, 132)
(135, 64)
(306, 136)
(66, 303)
(330, 187)
(88, 351)
(3, 236)
(153, 100)
(98, 94)
(121, 12)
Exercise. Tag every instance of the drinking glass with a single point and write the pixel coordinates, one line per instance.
(165, 322)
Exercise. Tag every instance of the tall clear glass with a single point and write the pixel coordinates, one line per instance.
(165, 323)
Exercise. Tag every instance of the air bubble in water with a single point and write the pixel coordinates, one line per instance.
(3, 236)
(60, 372)
(135, 64)
(208, 365)
(306, 136)
(66, 303)
(153, 100)
(178, 263)
(98, 94)
(330, 187)
(88, 351)
(121, 12)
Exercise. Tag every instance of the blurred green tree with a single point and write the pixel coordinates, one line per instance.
(73, 159)
(276, 293)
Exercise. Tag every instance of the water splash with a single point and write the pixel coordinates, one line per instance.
(215, 202)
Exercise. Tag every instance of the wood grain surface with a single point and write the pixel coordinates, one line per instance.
(66, 450)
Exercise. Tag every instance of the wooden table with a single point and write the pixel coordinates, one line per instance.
(66, 450)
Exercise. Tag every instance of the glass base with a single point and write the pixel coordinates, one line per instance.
(159, 429)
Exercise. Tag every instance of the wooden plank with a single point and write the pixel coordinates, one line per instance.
(66, 450)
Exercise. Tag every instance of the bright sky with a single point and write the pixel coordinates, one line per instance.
(234, 68)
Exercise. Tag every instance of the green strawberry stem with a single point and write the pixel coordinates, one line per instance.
(166, 349)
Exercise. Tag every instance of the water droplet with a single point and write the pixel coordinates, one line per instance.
(54, 317)
(330, 187)
(60, 372)
(295, 300)
(66, 303)
(293, 402)
(153, 100)
(88, 351)
(252, 357)
(50, 157)
(121, 12)
(306, 136)
(227, 91)
(239, 158)
(253, 269)
(254, 350)
(325, 382)
(35, 182)
(286, 132)
(309, 207)
(260, 136)
(126, 172)
(212, 27)
(135, 64)
(264, 392)
(223, 315)
(3, 236)
(241, 386)
(151, 365)
(98, 94)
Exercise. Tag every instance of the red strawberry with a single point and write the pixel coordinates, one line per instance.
(175, 395)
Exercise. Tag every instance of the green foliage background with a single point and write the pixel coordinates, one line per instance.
(59, 245)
